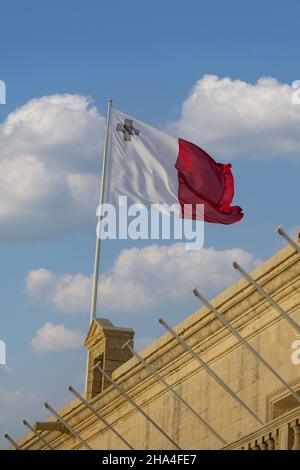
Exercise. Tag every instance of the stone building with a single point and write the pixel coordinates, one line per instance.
(256, 320)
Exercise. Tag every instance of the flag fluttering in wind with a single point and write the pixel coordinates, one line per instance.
(150, 166)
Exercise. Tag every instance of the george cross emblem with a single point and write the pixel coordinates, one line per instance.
(127, 129)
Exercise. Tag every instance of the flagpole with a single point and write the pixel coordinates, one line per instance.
(99, 231)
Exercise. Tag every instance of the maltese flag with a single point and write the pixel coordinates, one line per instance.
(150, 166)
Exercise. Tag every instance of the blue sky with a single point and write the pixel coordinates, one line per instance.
(147, 57)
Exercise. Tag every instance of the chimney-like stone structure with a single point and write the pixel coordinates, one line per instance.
(104, 342)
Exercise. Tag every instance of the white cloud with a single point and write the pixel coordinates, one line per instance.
(233, 118)
(50, 148)
(67, 293)
(56, 338)
(49, 158)
(141, 279)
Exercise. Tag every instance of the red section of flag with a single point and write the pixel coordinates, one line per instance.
(204, 181)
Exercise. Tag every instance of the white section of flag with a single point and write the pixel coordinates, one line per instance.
(143, 168)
